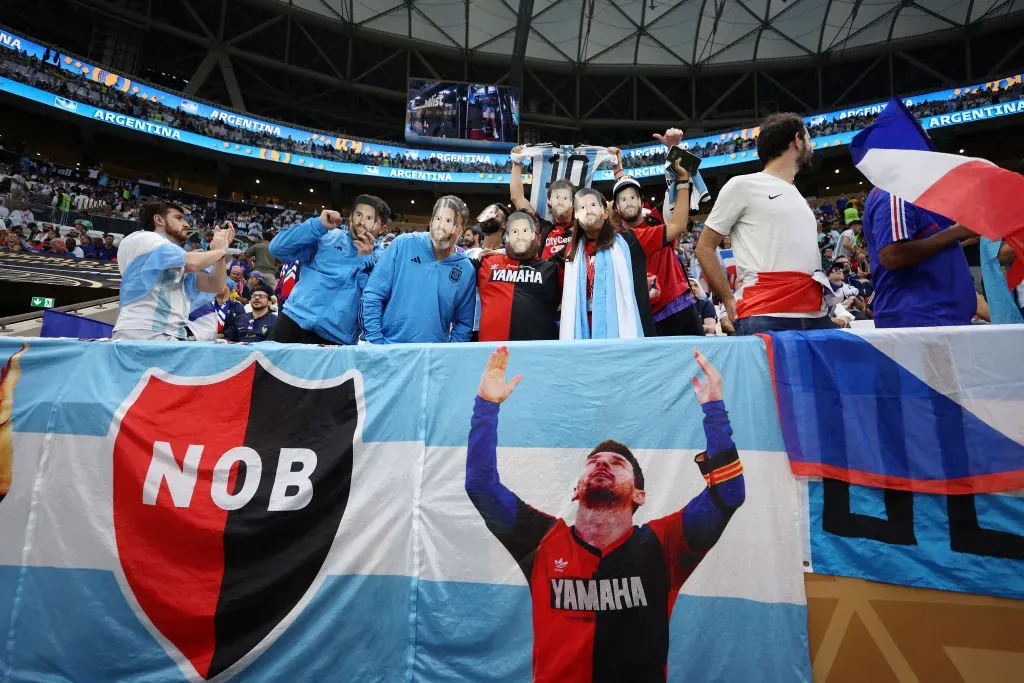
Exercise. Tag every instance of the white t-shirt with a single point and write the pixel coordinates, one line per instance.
(773, 230)
(840, 250)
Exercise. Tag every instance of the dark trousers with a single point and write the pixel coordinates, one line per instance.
(684, 323)
(287, 331)
(756, 324)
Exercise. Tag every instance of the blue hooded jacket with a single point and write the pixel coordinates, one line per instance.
(326, 298)
(413, 297)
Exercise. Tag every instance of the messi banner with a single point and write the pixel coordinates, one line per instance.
(600, 511)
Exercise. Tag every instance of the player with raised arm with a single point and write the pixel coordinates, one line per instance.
(603, 589)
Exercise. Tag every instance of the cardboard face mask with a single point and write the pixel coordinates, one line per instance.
(492, 211)
(628, 204)
(521, 239)
(590, 208)
(560, 202)
(444, 228)
(363, 220)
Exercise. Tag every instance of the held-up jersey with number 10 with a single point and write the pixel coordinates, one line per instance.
(602, 615)
(548, 164)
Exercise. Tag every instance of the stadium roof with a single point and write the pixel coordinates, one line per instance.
(663, 32)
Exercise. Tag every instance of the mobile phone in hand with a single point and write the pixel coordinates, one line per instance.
(688, 160)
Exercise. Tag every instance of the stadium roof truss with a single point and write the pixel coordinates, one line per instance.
(587, 69)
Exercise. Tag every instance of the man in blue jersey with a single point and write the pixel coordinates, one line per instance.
(421, 290)
(159, 279)
(918, 265)
(257, 325)
(324, 306)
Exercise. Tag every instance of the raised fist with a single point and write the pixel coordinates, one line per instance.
(330, 219)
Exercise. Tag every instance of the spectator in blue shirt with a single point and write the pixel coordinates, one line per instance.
(421, 290)
(705, 308)
(918, 265)
(336, 262)
(106, 251)
(257, 325)
(85, 244)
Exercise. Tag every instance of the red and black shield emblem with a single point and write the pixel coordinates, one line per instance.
(228, 494)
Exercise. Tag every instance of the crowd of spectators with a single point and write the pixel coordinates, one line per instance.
(48, 76)
(964, 101)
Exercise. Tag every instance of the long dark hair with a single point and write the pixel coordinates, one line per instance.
(605, 238)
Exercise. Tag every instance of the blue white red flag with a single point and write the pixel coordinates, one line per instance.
(930, 411)
(896, 154)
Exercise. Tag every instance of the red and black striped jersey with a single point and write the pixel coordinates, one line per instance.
(518, 299)
(554, 237)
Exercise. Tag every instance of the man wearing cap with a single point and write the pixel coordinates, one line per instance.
(324, 306)
(603, 589)
(674, 312)
(255, 281)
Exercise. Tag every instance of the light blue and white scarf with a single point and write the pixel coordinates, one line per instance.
(615, 313)
(1001, 304)
(698, 192)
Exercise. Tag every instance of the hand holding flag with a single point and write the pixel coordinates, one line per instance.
(896, 154)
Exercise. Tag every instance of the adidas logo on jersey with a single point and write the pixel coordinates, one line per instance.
(560, 565)
(415, 259)
(598, 595)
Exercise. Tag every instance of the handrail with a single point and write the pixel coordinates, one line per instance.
(70, 308)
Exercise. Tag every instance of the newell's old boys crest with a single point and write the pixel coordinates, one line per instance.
(228, 493)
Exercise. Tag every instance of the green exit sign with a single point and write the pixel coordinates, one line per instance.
(42, 302)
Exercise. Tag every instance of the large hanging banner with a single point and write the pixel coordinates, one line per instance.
(914, 440)
(266, 512)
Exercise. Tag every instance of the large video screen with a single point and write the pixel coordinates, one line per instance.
(464, 114)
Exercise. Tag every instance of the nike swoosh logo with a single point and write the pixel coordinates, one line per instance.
(775, 197)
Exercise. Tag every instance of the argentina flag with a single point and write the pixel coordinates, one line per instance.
(223, 512)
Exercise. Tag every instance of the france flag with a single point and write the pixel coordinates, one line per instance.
(896, 154)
